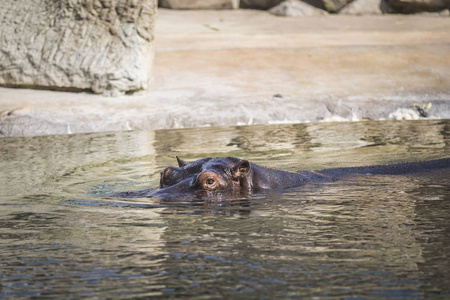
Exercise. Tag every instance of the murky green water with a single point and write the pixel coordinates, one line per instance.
(63, 235)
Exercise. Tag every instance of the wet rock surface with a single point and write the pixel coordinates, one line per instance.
(225, 68)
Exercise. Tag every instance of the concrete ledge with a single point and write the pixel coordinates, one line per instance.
(215, 68)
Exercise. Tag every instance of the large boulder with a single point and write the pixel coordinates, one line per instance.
(105, 46)
(415, 6)
(296, 8)
(259, 4)
(199, 4)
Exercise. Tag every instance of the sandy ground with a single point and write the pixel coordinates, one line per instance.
(222, 68)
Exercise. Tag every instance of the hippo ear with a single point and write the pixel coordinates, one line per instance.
(181, 163)
(241, 169)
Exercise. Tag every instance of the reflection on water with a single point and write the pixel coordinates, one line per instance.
(62, 234)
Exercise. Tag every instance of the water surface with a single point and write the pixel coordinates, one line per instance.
(62, 234)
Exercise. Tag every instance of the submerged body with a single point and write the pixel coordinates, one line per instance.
(230, 176)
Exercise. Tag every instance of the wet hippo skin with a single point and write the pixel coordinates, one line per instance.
(234, 176)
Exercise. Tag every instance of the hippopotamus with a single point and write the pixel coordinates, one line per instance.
(234, 176)
(225, 174)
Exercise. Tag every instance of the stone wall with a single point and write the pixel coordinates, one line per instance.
(104, 46)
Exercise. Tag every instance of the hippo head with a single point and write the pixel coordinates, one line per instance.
(173, 175)
(207, 177)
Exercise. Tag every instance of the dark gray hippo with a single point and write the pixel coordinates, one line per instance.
(223, 177)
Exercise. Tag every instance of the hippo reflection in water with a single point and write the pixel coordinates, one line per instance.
(230, 176)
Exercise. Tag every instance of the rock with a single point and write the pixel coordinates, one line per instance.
(105, 46)
(364, 7)
(200, 4)
(416, 6)
(335, 5)
(259, 4)
(295, 8)
(17, 111)
(443, 13)
(328, 5)
(404, 114)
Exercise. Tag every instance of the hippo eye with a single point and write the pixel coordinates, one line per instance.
(207, 180)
